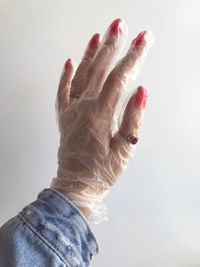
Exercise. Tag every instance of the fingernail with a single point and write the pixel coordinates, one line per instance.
(141, 98)
(114, 26)
(67, 64)
(94, 42)
(139, 40)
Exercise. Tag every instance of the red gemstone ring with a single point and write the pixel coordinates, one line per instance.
(132, 139)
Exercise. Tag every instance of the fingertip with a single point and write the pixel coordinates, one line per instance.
(141, 97)
(143, 90)
(139, 39)
(118, 26)
(67, 64)
(113, 28)
(94, 41)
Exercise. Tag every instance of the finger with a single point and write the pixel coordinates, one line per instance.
(62, 99)
(131, 124)
(80, 74)
(128, 67)
(108, 52)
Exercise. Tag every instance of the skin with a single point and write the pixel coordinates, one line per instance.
(76, 83)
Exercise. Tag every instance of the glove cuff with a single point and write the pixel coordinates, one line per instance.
(93, 202)
(95, 205)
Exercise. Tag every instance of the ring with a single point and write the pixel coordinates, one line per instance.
(72, 95)
(132, 139)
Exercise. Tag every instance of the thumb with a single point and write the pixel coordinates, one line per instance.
(125, 139)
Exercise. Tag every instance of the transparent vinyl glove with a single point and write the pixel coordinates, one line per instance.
(99, 118)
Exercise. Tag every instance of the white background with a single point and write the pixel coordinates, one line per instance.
(154, 209)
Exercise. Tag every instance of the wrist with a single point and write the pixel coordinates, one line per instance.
(91, 205)
(84, 211)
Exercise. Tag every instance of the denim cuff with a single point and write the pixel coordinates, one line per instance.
(60, 224)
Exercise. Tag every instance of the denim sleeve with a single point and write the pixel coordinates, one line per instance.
(50, 231)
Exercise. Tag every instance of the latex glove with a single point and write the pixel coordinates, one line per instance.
(94, 149)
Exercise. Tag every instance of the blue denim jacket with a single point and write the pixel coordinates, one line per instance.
(50, 231)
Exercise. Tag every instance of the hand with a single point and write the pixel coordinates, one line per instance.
(94, 148)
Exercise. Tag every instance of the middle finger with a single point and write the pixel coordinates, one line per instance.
(106, 56)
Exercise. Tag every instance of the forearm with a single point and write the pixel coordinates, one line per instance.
(50, 231)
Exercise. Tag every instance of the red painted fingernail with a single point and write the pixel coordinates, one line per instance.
(67, 63)
(94, 42)
(141, 98)
(114, 26)
(139, 39)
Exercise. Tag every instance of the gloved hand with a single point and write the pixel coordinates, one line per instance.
(94, 119)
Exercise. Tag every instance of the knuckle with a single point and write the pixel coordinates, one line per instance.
(87, 58)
